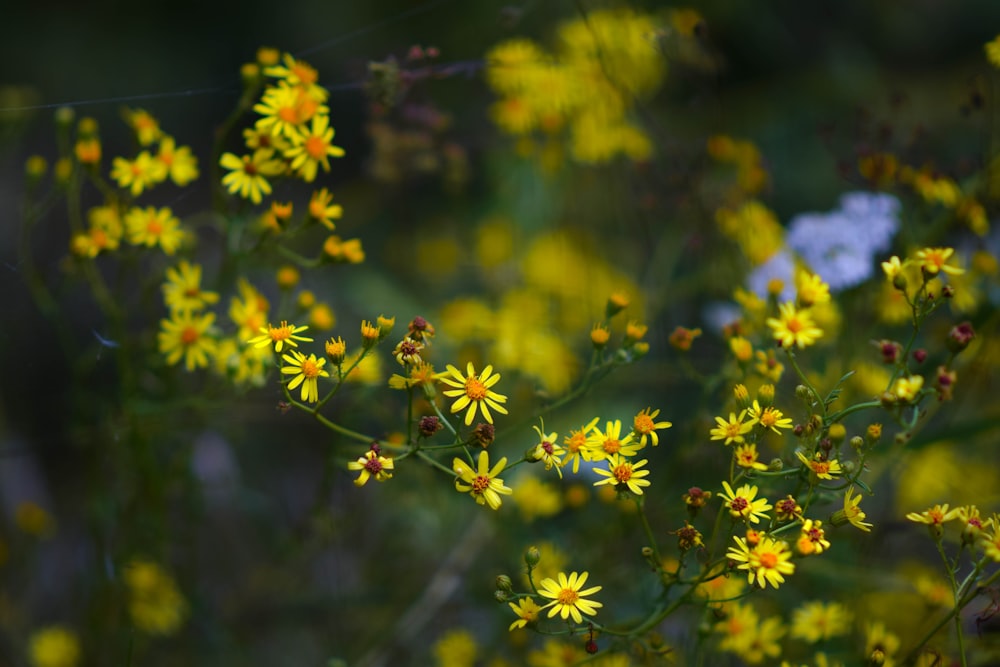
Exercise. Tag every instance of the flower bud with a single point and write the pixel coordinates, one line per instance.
(504, 584)
(429, 425)
(617, 302)
(590, 647)
(803, 394)
(742, 396)
(873, 433)
(899, 282)
(35, 167)
(531, 557)
(960, 336)
(837, 433)
(385, 325)
(599, 336)
(64, 116)
(287, 277)
(857, 442)
(483, 435)
(948, 291)
(766, 395)
(775, 465)
(920, 355)
(500, 596)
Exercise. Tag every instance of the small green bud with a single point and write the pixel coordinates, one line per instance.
(775, 465)
(837, 433)
(803, 394)
(504, 584)
(532, 556)
(766, 395)
(857, 442)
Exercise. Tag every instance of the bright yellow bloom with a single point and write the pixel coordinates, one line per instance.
(322, 209)
(567, 595)
(576, 445)
(815, 621)
(547, 450)
(298, 73)
(731, 431)
(146, 127)
(609, 442)
(248, 174)
(623, 473)
(746, 457)
(155, 605)
(285, 109)
(907, 388)
(645, 426)
(54, 646)
(767, 562)
(851, 513)
(313, 148)
(934, 260)
(527, 612)
(744, 504)
(186, 335)
(934, 516)
(372, 464)
(181, 165)
(182, 290)
(140, 174)
(483, 483)
(285, 334)
(810, 289)
(893, 267)
(473, 391)
(812, 538)
(151, 227)
(794, 327)
(307, 371)
(769, 417)
(741, 348)
(821, 468)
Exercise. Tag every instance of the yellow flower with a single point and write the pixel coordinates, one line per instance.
(307, 371)
(742, 503)
(298, 73)
(322, 209)
(285, 109)
(185, 335)
(483, 483)
(146, 127)
(473, 391)
(794, 327)
(851, 513)
(731, 431)
(372, 464)
(623, 473)
(893, 267)
(645, 426)
(313, 148)
(154, 603)
(812, 538)
(767, 562)
(907, 388)
(746, 457)
(934, 516)
(181, 165)
(822, 469)
(741, 348)
(547, 450)
(810, 289)
(880, 644)
(54, 646)
(609, 442)
(816, 621)
(151, 227)
(138, 175)
(576, 445)
(248, 174)
(182, 290)
(769, 417)
(285, 334)
(567, 595)
(934, 260)
(527, 612)
(992, 49)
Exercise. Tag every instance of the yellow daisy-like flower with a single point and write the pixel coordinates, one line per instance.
(992, 49)
(186, 335)
(372, 464)
(146, 127)
(746, 457)
(483, 483)
(935, 260)
(767, 562)
(744, 504)
(181, 165)
(248, 174)
(182, 290)
(810, 289)
(622, 472)
(851, 513)
(893, 267)
(313, 148)
(731, 431)
(151, 227)
(137, 175)
(645, 426)
(527, 612)
(990, 542)
(298, 73)
(54, 646)
(547, 450)
(284, 110)
(907, 388)
(812, 538)
(769, 417)
(322, 209)
(576, 445)
(307, 371)
(794, 327)
(285, 334)
(473, 392)
(609, 442)
(934, 516)
(822, 469)
(567, 595)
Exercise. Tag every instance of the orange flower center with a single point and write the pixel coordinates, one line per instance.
(288, 114)
(768, 418)
(575, 442)
(794, 325)
(310, 369)
(622, 473)
(643, 424)
(568, 596)
(821, 467)
(280, 333)
(480, 483)
(189, 335)
(154, 227)
(475, 389)
(316, 147)
(769, 560)
(612, 445)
